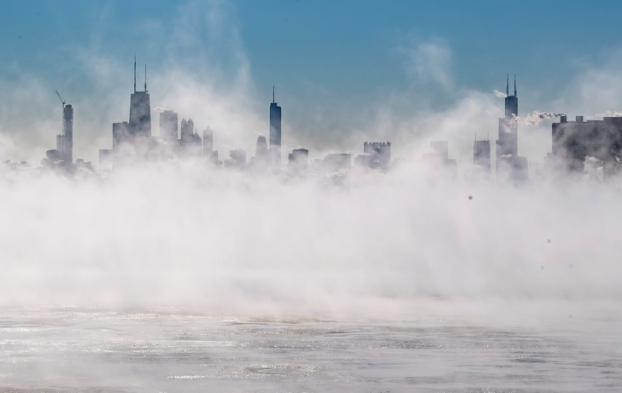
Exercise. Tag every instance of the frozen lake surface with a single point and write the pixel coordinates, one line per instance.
(88, 350)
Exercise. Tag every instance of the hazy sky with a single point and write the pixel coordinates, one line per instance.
(339, 66)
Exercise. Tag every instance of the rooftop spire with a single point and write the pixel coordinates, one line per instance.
(273, 94)
(134, 73)
(507, 86)
(145, 78)
(515, 95)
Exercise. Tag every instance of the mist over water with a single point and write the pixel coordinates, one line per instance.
(233, 242)
(181, 278)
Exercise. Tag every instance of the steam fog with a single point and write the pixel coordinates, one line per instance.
(223, 241)
(411, 247)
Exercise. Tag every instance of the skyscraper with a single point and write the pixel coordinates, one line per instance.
(187, 129)
(169, 126)
(573, 142)
(481, 156)
(121, 133)
(140, 110)
(275, 130)
(138, 129)
(208, 142)
(507, 144)
(208, 146)
(298, 160)
(261, 148)
(509, 165)
(64, 141)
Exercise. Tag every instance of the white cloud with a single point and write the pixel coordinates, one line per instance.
(430, 62)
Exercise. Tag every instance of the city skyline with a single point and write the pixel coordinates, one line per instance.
(310, 196)
(389, 84)
(573, 145)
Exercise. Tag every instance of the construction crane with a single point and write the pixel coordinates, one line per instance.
(61, 98)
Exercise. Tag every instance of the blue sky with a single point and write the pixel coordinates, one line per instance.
(334, 62)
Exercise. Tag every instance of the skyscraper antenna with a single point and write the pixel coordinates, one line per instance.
(273, 94)
(134, 73)
(515, 95)
(507, 86)
(145, 78)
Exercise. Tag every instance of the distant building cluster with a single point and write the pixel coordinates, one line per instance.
(132, 140)
(575, 141)
(575, 146)
(509, 165)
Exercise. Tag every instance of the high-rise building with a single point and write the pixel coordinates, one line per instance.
(187, 129)
(376, 155)
(575, 141)
(140, 110)
(169, 126)
(63, 154)
(509, 165)
(65, 142)
(481, 155)
(121, 133)
(208, 146)
(262, 154)
(190, 141)
(139, 126)
(507, 144)
(261, 148)
(275, 130)
(208, 142)
(298, 159)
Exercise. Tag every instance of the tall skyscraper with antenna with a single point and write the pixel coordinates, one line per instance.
(140, 110)
(275, 129)
(139, 127)
(509, 165)
(507, 144)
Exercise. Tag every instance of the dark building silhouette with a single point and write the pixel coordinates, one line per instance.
(509, 165)
(208, 142)
(261, 149)
(575, 141)
(121, 133)
(275, 130)
(138, 129)
(190, 141)
(481, 156)
(262, 154)
(298, 159)
(438, 158)
(136, 133)
(187, 129)
(376, 155)
(63, 154)
(140, 110)
(64, 142)
(208, 146)
(169, 126)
